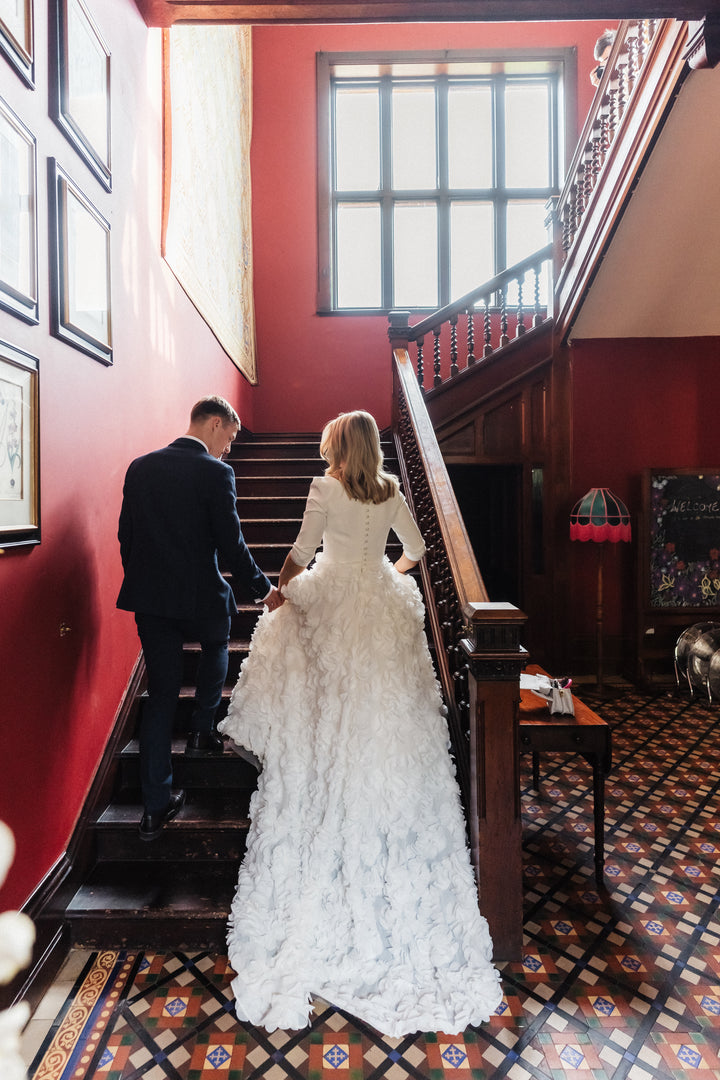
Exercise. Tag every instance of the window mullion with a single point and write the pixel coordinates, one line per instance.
(500, 200)
(443, 202)
(386, 190)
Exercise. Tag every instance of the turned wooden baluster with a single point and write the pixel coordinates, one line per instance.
(504, 339)
(580, 194)
(588, 178)
(568, 220)
(487, 330)
(470, 337)
(623, 87)
(520, 328)
(613, 110)
(537, 317)
(437, 377)
(420, 373)
(453, 346)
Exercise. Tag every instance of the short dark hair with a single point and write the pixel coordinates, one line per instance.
(214, 406)
(605, 41)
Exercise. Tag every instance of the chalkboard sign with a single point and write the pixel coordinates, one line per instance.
(683, 514)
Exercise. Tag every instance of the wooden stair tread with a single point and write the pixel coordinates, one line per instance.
(156, 890)
(203, 809)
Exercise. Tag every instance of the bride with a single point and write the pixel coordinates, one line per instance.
(356, 886)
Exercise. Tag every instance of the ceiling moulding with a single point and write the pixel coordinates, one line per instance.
(167, 12)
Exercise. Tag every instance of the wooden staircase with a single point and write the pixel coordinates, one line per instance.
(175, 892)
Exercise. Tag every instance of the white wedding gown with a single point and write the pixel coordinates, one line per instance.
(356, 886)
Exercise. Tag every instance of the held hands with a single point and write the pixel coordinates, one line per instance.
(274, 600)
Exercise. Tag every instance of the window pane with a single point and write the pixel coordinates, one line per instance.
(470, 146)
(415, 255)
(357, 139)
(471, 246)
(526, 233)
(527, 143)
(413, 138)
(358, 255)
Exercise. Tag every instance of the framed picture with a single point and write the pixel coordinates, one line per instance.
(681, 539)
(19, 448)
(18, 219)
(80, 85)
(16, 37)
(80, 253)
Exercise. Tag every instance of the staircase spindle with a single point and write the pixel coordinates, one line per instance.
(420, 344)
(537, 317)
(437, 377)
(487, 330)
(520, 328)
(453, 345)
(504, 339)
(470, 337)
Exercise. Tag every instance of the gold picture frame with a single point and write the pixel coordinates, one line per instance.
(19, 448)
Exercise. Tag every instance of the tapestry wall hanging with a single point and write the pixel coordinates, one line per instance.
(207, 239)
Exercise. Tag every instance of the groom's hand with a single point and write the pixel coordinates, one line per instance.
(274, 600)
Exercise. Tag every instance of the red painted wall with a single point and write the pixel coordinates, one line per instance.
(312, 367)
(59, 694)
(638, 403)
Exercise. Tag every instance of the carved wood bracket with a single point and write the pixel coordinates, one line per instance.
(703, 49)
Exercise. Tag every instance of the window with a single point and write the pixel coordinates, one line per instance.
(434, 173)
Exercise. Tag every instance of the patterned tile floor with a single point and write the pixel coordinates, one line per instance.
(615, 984)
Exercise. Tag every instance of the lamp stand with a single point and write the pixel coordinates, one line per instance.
(599, 620)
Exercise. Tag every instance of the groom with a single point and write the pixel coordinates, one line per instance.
(178, 513)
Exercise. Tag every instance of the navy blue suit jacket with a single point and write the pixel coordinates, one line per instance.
(178, 512)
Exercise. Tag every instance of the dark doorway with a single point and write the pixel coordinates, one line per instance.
(489, 499)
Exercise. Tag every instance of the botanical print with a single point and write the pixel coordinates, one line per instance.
(11, 443)
(685, 540)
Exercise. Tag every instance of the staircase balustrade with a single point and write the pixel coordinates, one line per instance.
(642, 75)
(626, 60)
(479, 659)
(506, 307)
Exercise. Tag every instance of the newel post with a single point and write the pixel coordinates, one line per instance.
(495, 660)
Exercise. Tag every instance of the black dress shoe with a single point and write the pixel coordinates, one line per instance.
(204, 745)
(151, 824)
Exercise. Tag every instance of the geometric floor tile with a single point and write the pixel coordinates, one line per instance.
(614, 983)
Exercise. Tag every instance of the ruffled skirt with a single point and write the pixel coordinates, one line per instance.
(356, 886)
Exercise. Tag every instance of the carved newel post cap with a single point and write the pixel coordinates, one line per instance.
(493, 645)
(399, 327)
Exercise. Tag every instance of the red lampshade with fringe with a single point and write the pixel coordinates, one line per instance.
(599, 516)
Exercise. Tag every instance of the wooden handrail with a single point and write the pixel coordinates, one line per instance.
(487, 290)
(479, 659)
(488, 328)
(643, 73)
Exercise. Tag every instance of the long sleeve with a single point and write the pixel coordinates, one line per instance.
(230, 543)
(312, 528)
(407, 532)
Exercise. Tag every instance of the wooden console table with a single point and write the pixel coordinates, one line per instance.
(584, 733)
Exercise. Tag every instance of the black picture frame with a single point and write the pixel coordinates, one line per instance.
(17, 39)
(19, 448)
(80, 308)
(18, 217)
(80, 91)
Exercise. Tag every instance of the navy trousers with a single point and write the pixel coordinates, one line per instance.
(162, 642)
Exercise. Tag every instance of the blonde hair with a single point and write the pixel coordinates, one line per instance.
(351, 446)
